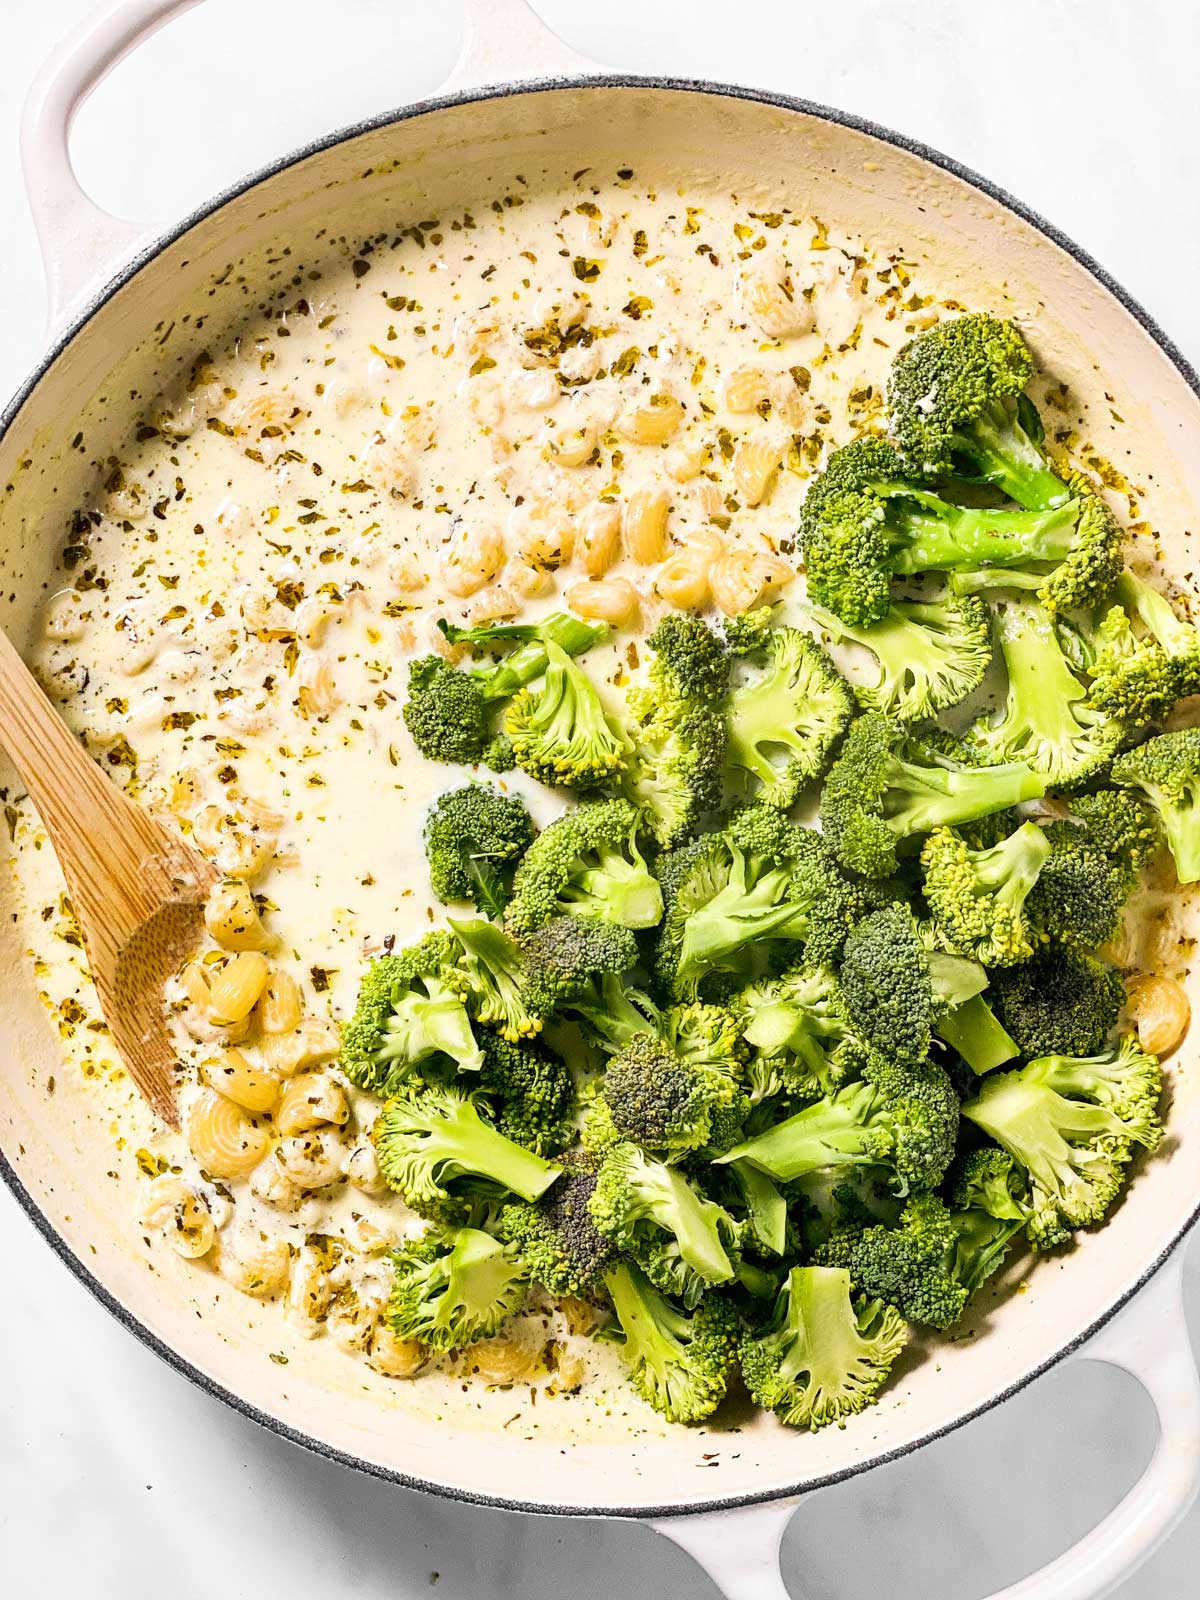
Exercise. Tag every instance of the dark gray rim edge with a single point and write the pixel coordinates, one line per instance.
(315, 147)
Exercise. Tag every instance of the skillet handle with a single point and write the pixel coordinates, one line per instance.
(81, 243)
(505, 41)
(1149, 1339)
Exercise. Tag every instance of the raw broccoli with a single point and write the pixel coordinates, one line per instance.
(530, 1092)
(1081, 892)
(767, 1230)
(1140, 655)
(732, 893)
(680, 1365)
(824, 1356)
(785, 720)
(884, 788)
(1167, 771)
(446, 712)
(1061, 1002)
(957, 406)
(428, 1138)
(1072, 1123)
(975, 1032)
(708, 1036)
(1047, 720)
(567, 959)
(473, 836)
(676, 729)
(450, 1291)
(683, 1242)
(411, 1007)
(554, 1238)
(904, 1116)
(1074, 566)
(611, 1012)
(978, 897)
(796, 1025)
(587, 863)
(663, 1100)
(748, 632)
(1120, 824)
(864, 522)
(498, 986)
(931, 1262)
(896, 989)
(930, 654)
(502, 679)
(559, 732)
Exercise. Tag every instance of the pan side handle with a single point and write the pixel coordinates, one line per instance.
(505, 41)
(80, 242)
(1148, 1339)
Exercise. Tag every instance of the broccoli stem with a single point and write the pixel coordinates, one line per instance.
(923, 798)
(832, 1133)
(625, 892)
(502, 680)
(735, 917)
(468, 1146)
(974, 1030)
(681, 1211)
(1001, 452)
(964, 537)
(766, 1208)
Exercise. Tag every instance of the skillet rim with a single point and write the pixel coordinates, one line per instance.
(125, 275)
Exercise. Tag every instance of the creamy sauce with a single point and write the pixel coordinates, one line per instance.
(279, 536)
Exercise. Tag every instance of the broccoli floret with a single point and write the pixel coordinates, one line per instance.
(978, 897)
(796, 1025)
(587, 863)
(864, 522)
(1141, 657)
(1061, 1002)
(567, 959)
(502, 679)
(446, 712)
(559, 732)
(957, 406)
(530, 1092)
(1118, 823)
(411, 1006)
(612, 1013)
(428, 1138)
(931, 654)
(498, 986)
(449, 1292)
(884, 788)
(1081, 892)
(748, 632)
(896, 989)
(708, 1036)
(902, 1116)
(683, 1242)
(1047, 720)
(473, 836)
(662, 1100)
(1074, 565)
(734, 892)
(554, 1239)
(824, 1356)
(676, 730)
(1072, 1123)
(680, 1365)
(932, 1261)
(786, 719)
(1167, 771)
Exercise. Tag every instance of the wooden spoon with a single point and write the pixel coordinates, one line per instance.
(137, 890)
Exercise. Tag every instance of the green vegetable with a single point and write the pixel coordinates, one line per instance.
(411, 1007)
(680, 1365)
(1061, 1002)
(449, 1292)
(555, 1239)
(559, 732)
(978, 897)
(1167, 771)
(473, 838)
(587, 863)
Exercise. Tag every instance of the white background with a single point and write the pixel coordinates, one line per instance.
(116, 1477)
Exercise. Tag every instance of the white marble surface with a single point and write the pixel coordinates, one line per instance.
(115, 1475)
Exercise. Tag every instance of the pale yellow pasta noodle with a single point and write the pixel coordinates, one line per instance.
(231, 916)
(599, 541)
(755, 462)
(313, 1159)
(223, 1138)
(684, 579)
(279, 1006)
(255, 1262)
(311, 1100)
(644, 526)
(311, 1041)
(236, 1077)
(233, 991)
(655, 420)
(612, 600)
(395, 1357)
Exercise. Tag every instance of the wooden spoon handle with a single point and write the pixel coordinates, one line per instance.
(99, 834)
